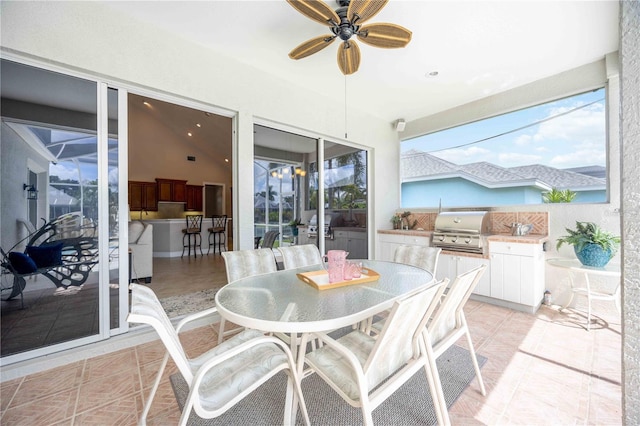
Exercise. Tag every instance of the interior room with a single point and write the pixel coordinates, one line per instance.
(127, 127)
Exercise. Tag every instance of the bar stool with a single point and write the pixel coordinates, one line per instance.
(218, 231)
(194, 227)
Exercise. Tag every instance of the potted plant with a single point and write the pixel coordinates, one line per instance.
(592, 245)
(395, 219)
(294, 226)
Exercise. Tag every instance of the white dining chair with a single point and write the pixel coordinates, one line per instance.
(424, 257)
(365, 370)
(449, 323)
(245, 263)
(299, 256)
(222, 376)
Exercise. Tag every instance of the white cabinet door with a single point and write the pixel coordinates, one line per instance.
(468, 263)
(450, 266)
(517, 272)
(388, 244)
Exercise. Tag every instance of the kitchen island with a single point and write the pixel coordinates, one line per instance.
(167, 236)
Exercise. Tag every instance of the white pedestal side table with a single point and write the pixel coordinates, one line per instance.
(573, 266)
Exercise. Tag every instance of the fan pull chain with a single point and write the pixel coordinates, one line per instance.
(345, 107)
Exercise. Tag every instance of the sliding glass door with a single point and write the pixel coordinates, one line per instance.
(60, 164)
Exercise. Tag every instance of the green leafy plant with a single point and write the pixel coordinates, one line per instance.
(559, 196)
(395, 219)
(589, 233)
(295, 222)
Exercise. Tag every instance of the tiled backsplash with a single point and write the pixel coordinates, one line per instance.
(499, 222)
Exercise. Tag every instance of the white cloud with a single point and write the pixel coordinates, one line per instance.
(523, 140)
(511, 159)
(471, 154)
(584, 125)
(579, 158)
(63, 172)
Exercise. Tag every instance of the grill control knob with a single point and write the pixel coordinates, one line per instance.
(467, 240)
(454, 239)
(441, 238)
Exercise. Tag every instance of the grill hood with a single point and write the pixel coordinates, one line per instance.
(461, 231)
(475, 222)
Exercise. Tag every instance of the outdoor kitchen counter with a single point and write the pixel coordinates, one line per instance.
(503, 238)
(506, 238)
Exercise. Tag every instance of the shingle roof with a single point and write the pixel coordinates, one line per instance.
(417, 164)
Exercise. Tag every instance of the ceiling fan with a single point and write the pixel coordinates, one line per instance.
(345, 22)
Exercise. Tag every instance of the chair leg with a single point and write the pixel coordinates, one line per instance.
(474, 360)
(147, 405)
(221, 329)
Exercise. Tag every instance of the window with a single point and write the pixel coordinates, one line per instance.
(512, 159)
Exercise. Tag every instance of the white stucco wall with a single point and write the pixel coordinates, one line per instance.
(630, 135)
(99, 41)
(14, 156)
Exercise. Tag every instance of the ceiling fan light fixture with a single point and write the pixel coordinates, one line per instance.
(383, 35)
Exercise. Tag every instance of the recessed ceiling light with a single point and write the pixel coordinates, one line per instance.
(147, 103)
(189, 133)
(431, 74)
(226, 160)
(198, 124)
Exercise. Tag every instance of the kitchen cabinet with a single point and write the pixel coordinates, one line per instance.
(355, 242)
(450, 266)
(389, 242)
(194, 198)
(172, 190)
(143, 196)
(517, 273)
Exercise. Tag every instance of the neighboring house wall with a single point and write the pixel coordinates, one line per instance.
(457, 192)
(14, 158)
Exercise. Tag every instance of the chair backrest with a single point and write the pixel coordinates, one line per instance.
(269, 239)
(298, 256)
(194, 223)
(219, 222)
(449, 316)
(398, 343)
(146, 309)
(245, 263)
(420, 256)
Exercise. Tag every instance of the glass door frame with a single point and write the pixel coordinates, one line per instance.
(102, 134)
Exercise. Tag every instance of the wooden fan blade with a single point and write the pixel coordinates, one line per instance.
(388, 36)
(365, 9)
(317, 10)
(312, 46)
(349, 57)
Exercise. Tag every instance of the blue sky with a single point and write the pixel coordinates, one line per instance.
(571, 140)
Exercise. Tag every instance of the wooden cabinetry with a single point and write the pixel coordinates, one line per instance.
(143, 196)
(172, 190)
(194, 197)
(517, 273)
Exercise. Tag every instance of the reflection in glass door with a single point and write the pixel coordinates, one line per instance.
(51, 122)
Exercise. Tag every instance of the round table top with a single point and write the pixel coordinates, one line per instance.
(281, 302)
(610, 269)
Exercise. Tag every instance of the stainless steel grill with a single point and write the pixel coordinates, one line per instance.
(461, 231)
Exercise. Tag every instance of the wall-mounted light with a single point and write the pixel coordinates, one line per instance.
(32, 192)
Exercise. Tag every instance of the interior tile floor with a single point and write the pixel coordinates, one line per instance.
(542, 369)
(52, 316)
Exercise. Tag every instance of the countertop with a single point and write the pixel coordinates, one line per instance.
(507, 238)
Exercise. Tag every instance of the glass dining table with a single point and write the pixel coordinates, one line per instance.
(280, 302)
